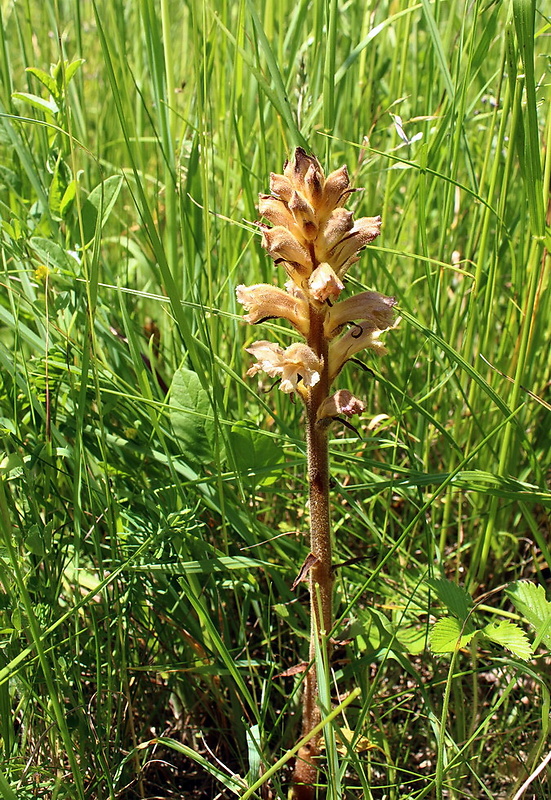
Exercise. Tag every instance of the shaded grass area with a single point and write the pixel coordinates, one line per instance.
(149, 543)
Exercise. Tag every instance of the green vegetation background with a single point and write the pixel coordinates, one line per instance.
(150, 540)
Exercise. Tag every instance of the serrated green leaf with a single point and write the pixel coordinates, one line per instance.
(510, 636)
(530, 601)
(256, 455)
(456, 599)
(50, 106)
(445, 636)
(190, 410)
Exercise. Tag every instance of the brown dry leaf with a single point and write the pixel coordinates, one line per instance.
(309, 562)
(296, 670)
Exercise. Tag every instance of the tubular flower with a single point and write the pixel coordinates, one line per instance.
(371, 307)
(296, 362)
(342, 402)
(263, 302)
(316, 239)
(354, 340)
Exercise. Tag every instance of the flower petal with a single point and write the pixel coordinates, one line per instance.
(337, 226)
(281, 187)
(304, 215)
(356, 339)
(342, 402)
(281, 244)
(275, 210)
(295, 169)
(362, 233)
(374, 308)
(297, 362)
(324, 283)
(335, 190)
(263, 301)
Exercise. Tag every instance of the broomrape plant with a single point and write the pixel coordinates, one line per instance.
(316, 240)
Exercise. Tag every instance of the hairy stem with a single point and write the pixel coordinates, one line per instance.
(321, 577)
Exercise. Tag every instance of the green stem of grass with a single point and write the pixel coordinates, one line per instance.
(35, 636)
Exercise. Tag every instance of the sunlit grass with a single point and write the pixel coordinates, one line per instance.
(147, 611)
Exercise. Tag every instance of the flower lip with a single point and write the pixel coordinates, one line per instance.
(361, 337)
(371, 307)
(342, 402)
(294, 365)
(264, 301)
(324, 284)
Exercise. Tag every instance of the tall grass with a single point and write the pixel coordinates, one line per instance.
(150, 541)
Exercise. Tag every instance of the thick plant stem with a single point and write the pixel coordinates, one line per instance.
(317, 240)
(321, 576)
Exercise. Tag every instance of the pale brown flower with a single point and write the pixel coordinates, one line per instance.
(292, 364)
(342, 402)
(346, 346)
(263, 302)
(374, 308)
(309, 207)
(282, 245)
(316, 240)
(341, 251)
(324, 284)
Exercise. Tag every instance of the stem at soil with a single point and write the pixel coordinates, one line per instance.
(321, 576)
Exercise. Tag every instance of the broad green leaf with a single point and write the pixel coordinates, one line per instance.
(446, 636)
(70, 69)
(412, 638)
(34, 541)
(530, 601)
(256, 455)
(99, 204)
(52, 254)
(254, 750)
(455, 598)
(57, 190)
(191, 416)
(68, 197)
(44, 78)
(50, 106)
(510, 636)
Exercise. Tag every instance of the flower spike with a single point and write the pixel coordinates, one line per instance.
(316, 240)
